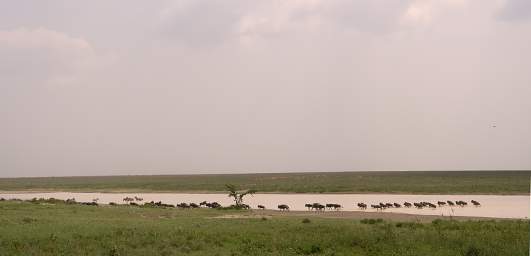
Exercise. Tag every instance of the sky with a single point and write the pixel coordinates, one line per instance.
(232, 86)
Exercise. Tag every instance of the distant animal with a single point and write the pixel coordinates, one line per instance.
(362, 206)
(261, 207)
(283, 207)
(376, 206)
(138, 199)
(128, 199)
(397, 205)
(183, 205)
(309, 206)
(318, 207)
(461, 203)
(194, 205)
(475, 203)
(440, 203)
(407, 204)
(450, 203)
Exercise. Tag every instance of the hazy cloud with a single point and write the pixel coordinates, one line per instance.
(514, 10)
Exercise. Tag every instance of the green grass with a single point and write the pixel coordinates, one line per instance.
(465, 182)
(37, 229)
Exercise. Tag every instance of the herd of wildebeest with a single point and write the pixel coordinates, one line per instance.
(137, 201)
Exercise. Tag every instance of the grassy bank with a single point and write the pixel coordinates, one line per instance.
(469, 182)
(37, 229)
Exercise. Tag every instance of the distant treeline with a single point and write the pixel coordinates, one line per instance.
(427, 182)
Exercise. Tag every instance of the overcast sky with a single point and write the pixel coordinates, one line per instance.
(153, 87)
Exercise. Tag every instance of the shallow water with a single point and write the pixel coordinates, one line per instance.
(491, 205)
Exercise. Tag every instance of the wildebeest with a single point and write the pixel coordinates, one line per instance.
(318, 207)
(362, 206)
(397, 205)
(261, 207)
(475, 203)
(333, 206)
(441, 203)
(407, 204)
(138, 199)
(461, 203)
(418, 205)
(194, 205)
(91, 203)
(376, 206)
(283, 207)
(183, 205)
(309, 206)
(450, 203)
(133, 204)
(128, 199)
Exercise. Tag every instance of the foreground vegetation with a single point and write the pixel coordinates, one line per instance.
(466, 182)
(63, 229)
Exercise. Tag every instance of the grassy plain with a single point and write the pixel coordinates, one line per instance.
(60, 229)
(464, 182)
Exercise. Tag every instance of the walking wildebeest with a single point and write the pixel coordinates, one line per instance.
(376, 206)
(194, 205)
(440, 203)
(397, 205)
(450, 203)
(362, 206)
(475, 203)
(283, 207)
(318, 207)
(309, 206)
(261, 207)
(407, 204)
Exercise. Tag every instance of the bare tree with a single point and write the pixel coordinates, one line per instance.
(238, 195)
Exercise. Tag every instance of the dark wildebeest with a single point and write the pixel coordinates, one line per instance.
(450, 203)
(377, 207)
(362, 206)
(475, 203)
(128, 199)
(261, 207)
(181, 205)
(440, 203)
(309, 206)
(194, 205)
(397, 205)
(461, 203)
(407, 204)
(283, 207)
(432, 205)
(204, 203)
(418, 205)
(336, 207)
(318, 207)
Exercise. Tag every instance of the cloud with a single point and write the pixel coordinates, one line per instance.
(43, 56)
(515, 10)
(41, 38)
(202, 22)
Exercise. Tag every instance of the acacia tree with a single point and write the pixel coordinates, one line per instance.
(238, 195)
